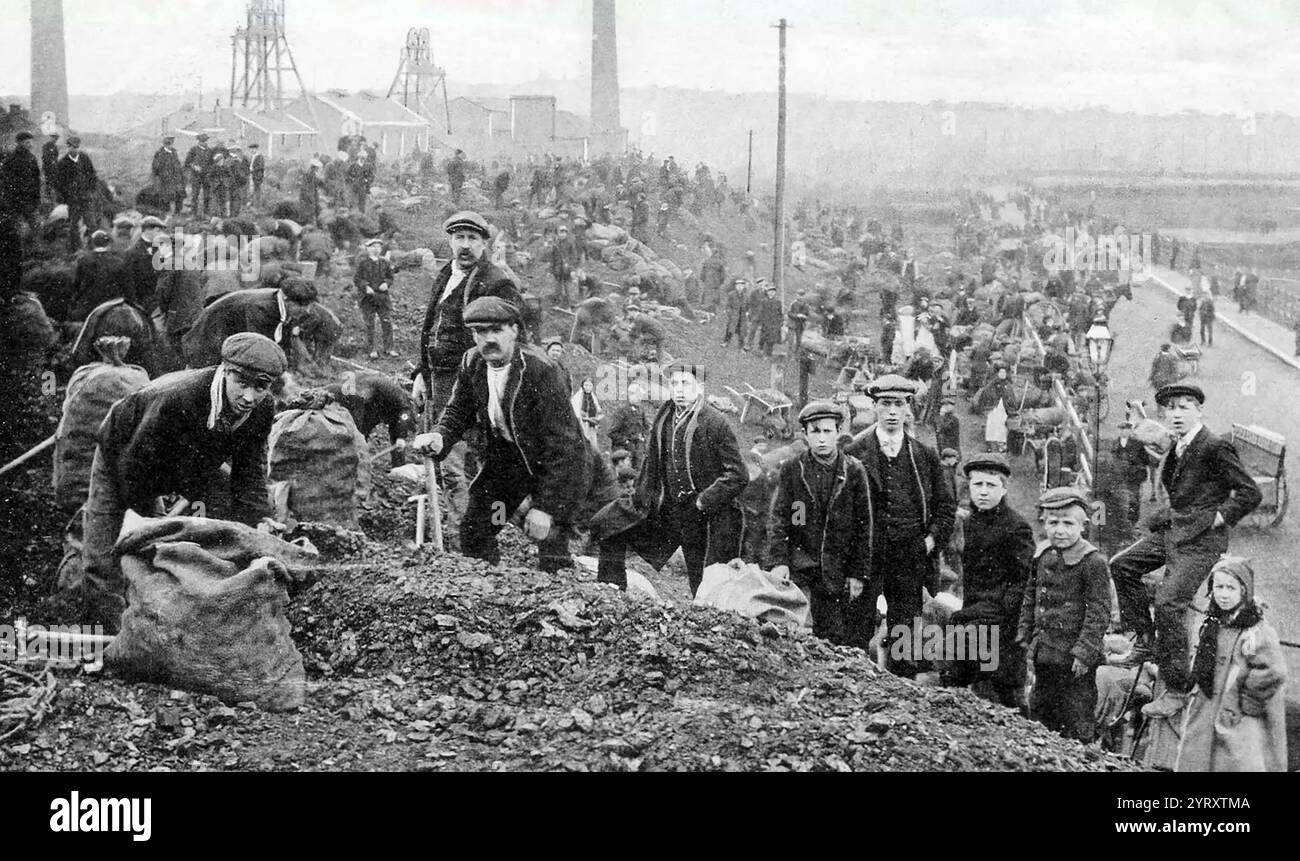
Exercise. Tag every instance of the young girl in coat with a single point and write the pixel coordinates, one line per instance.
(1236, 719)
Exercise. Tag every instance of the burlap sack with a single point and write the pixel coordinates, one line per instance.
(92, 391)
(205, 610)
(326, 461)
(751, 591)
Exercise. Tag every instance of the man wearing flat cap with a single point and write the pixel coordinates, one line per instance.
(78, 186)
(20, 183)
(197, 167)
(535, 448)
(171, 437)
(274, 313)
(996, 560)
(444, 339)
(820, 529)
(798, 315)
(915, 509)
(49, 165)
(1133, 461)
(168, 175)
(139, 271)
(686, 489)
(1209, 491)
(374, 282)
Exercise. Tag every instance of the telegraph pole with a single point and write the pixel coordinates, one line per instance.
(749, 177)
(778, 267)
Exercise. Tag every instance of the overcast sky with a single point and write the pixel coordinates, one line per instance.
(1151, 56)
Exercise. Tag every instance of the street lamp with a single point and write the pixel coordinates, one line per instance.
(1100, 340)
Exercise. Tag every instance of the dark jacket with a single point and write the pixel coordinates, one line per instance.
(1133, 459)
(49, 160)
(238, 167)
(98, 277)
(1164, 370)
(938, 504)
(198, 160)
(545, 430)
(628, 424)
(167, 173)
(997, 558)
(374, 399)
(825, 541)
(1066, 606)
(20, 183)
(156, 441)
(257, 167)
(444, 340)
(715, 469)
(180, 299)
(948, 432)
(76, 180)
(371, 273)
(770, 317)
(1208, 479)
(246, 311)
(141, 276)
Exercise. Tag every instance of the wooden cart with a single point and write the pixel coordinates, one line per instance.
(776, 407)
(1263, 453)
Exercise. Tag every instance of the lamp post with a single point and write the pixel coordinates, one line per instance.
(1100, 340)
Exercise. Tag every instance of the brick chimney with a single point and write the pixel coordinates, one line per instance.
(49, 63)
(605, 120)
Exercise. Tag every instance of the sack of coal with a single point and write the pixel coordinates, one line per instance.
(92, 391)
(206, 610)
(324, 458)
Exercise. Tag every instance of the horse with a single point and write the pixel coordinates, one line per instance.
(117, 317)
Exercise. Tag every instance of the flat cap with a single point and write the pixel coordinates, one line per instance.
(990, 462)
(255, 355)
(100, 238)
(374, 241)
(1179, 390)
(821, 409)
(467, 220)
(74, 141)
(201, 137)
(152, 221)
(23, 136)
(681, 366)
(490, 310)
(298, 289)
(1062, 497)
(1126, 425)
(949, 452)
(891, 385)
(553, 341)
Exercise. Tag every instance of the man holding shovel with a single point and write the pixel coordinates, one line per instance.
(535, 448)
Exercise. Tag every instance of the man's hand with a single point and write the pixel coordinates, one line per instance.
(537, 525)
(781, 572)
(1079, 668)
(417, 391)
(428, 444)
(855, 588)
(929, 544)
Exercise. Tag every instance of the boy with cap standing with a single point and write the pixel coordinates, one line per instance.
(798, 315)
(769, 321)
(535, 446)
(685, 492)
(373, 279)
(996, 560)
(171, 437)
(915, 504)
(1063, 616)
(820, 529)
(948, 428)
(1209, 491)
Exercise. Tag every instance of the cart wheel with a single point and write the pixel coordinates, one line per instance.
(1282, 498)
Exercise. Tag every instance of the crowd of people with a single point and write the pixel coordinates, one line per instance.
(848, 517)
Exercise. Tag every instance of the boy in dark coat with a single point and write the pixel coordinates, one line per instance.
(996, 560)
(1063, 616)
(948, 428)
(373, 280)
(686, 490)
(820, 529)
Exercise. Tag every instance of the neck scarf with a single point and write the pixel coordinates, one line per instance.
(1205, 662)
